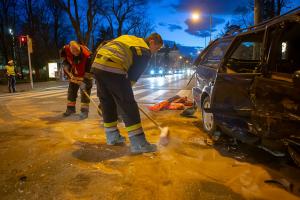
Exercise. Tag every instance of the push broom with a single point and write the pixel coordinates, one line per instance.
(164, 131)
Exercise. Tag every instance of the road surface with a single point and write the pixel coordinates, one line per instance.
(46, 156)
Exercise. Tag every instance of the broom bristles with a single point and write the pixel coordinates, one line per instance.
(164, 136)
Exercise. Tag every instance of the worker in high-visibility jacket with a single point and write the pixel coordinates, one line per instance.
(76, 65)
(11, 76)
(117, 65)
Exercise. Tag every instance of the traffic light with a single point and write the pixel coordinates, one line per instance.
(23, 40)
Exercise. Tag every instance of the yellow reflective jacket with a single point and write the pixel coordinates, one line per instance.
(116, 56)
(10, 70)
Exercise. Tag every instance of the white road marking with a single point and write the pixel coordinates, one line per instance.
(139, 91)
(39, 94)
(184, 93)
(153, 95)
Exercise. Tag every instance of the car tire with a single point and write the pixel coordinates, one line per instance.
(208, 121)
(294, 152)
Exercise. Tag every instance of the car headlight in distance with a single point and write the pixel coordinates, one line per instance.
(160, 71)
(170, 72)
(152, 72)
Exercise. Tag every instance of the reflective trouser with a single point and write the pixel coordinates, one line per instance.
(72, 95)
(11, 83)
(116, 93)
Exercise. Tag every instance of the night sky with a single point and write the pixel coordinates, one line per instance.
(173, 18)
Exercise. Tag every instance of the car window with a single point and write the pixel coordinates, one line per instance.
(286, 59)
(215, 54)
(248, 50)
(246, 55)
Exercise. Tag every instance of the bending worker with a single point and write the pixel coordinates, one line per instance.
(117, 65)
(77, 65)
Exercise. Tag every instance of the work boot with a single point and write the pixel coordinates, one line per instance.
(84, 113)
(70, 110)
(139, 144)
(114, 138)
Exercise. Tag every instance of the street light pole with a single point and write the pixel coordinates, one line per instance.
(210, 24)
(13, 43)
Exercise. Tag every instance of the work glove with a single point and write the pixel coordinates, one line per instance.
(67, 72)
(133, 83)
(83, 86)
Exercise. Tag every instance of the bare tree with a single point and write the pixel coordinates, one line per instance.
(126, 14)
(258, 5)
(271, 8)
(83, 36)
(60, 29)
(280, 4)
(142, 28)
(7, 21)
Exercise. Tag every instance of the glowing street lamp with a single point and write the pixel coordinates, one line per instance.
(10, 31)
(195, 16)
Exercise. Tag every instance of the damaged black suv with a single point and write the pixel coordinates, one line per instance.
(248, 85)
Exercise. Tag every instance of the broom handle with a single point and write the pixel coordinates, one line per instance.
(86, 94)
(148, 116)
(93, 102)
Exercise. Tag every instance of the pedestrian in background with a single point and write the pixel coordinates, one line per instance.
(11, 76)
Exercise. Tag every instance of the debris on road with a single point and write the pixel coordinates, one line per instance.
(174, 103)
(189, 112)
(288, 186)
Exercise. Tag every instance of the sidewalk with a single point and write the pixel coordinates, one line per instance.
(23, 87)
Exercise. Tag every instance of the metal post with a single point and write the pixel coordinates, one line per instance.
(155, 60)
(210, 24)
(29, 50)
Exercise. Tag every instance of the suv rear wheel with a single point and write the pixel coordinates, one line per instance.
(208, 117)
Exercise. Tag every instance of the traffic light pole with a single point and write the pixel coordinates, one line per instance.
(29, 50)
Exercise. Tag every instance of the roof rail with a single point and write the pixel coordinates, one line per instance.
(264, 22)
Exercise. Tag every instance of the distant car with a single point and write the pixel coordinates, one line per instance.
(178, 71)
(168, 72)
(157, 72)
(248, 86)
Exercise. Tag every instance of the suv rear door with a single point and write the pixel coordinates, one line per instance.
(277, 95)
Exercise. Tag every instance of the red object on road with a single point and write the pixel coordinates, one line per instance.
(173, 103)
(176, 106)
(159, 106)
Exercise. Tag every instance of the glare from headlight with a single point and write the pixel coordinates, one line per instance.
(170, 72)
(152, 72)
(160, 71)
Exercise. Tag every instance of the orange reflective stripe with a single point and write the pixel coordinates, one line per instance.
(71, 103)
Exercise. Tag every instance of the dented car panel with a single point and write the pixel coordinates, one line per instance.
(277, 108)
(231, 94)
(205, 77)
(252, 82)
